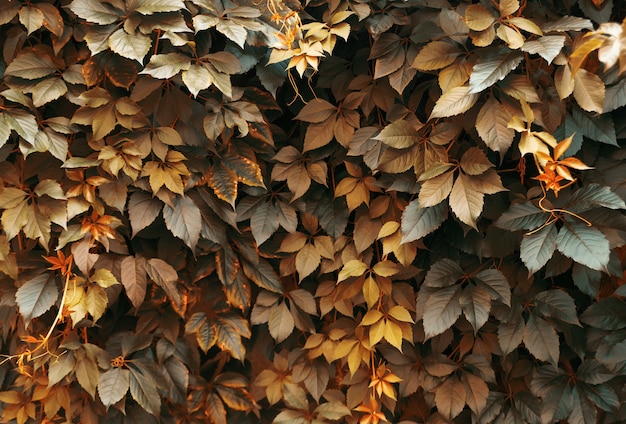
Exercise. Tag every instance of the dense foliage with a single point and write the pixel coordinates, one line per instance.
(342, 211)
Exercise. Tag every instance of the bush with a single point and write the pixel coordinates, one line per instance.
(343, 211)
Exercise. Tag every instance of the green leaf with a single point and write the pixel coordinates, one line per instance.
(602, 395)
(441, 310)
(594, 195)
(521, 216)
(583, 410)
(443, 273)
(399, 134)
(608, 314)
(453, 102)
(556, 304)
(585, 245)
(183, 219)
(36, 296)
(598, 128)
(612, 349)
(113, 385)
(537, 248)
(541, 339)
(418, 222)
(491, 68)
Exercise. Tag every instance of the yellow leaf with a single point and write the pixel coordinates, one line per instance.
(343, 349)
(400, 313)
(353, 268)
(371, 317)
(377, 331)
(393, 334)
(386, 268)
(388, 229)
(478, 18)
(371, 293)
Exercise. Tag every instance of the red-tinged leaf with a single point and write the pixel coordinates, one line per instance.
(476, 391)
(316, 111)
(184, 220)
(263, 275)
(246, 170)
(134, 279)
(465, 202)
(230, 330)
(450, 397)
(224, 182)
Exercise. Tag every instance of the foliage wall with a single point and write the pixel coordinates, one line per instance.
(341, 211)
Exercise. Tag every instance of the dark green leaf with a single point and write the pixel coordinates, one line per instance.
(443, 273)
(585, 245)
(537, 248)
(608, 314)
(418, 222)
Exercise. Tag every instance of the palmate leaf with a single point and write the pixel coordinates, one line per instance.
(556, 304)
(511, 334)
(465, 201)
(144, 390)
(541, 339)
(36, 296)
(134, 279)
(585, 245)
(608, 314)
(476, 305)
(450, 397)
(443, 273)
(441, 310)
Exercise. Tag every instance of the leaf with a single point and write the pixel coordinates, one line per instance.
(548, 46)
(608, 314)
(537, 248)
(465, 202)
(113, 385)
(450, 397)
(165, 276)
(281, 323)
(557, 304)
(316, 111)
(477, 392)
(492, 125)
(352, 268)
(35, 297)
(476, 304)
(30, 66)
(130, 46)
(443, 273)
(307, 261)
(541, 340)
(418, 222)
(478, 18)
(496, 283)
(599, 128)
(94, 11)
(521, 216)
(142, 210)
(31, 18)
(263, 275)
(197, 78)
(143, 389)
(183, 219)
(441, 310)
(594, 195)
(436, 189)
(264, 222)
(436, 55)
(134, 279)
(589, 91)
(492, 68)
(87, 374)
(399, 134)
(585, 245)
(165, 66)
(511, 334)
(474, 161)
(333, 410)
(455, 101)
(48, 90)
